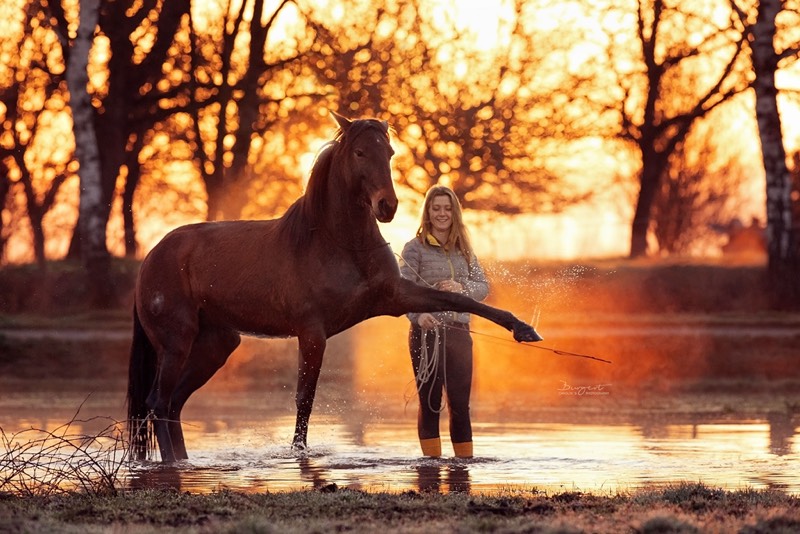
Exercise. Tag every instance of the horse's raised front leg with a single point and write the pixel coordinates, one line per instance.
(312, 348)
(408, 297)
(210, 351)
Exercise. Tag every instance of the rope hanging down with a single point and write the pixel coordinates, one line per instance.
(429, 364)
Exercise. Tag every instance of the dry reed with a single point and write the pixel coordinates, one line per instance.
(39, 462)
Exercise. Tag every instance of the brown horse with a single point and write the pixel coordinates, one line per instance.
(319, 269)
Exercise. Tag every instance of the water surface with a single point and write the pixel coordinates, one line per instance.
(696, 403)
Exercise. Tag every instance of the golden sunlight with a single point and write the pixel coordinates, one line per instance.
(482, 22)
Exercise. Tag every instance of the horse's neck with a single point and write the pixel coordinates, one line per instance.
(350, 224)
(352, 228)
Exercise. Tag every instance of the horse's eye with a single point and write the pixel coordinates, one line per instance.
(359, 153)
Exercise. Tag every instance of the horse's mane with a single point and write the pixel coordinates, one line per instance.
(300, 220)
(302, 217)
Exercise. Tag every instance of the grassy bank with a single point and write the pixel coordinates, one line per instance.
(682, 508)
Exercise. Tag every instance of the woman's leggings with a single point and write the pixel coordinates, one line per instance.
(453, 373)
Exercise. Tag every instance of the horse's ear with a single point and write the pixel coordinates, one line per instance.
(343, 122)
(385, 125)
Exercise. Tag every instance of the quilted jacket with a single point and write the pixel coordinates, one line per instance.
(429, 263)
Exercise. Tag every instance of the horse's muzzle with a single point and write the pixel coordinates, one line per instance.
(385, 208)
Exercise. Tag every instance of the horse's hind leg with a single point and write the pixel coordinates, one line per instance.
(173, 350)
(210, 351)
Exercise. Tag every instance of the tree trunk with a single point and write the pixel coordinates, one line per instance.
(782, 246)
(38, 242)
(215, 194)
(234, 195)
(5, 189)
(129, 225)
(131, 183)
(92, 228)
(35, 213)
(653, 165)
(644, 208)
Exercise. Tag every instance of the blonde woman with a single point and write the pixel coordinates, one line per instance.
(440, 256)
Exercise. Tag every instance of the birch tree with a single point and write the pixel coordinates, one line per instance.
(92, 222)
(782, 239)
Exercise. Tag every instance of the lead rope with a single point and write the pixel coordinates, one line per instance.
(429, 365)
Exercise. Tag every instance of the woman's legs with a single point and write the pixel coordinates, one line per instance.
(453, 372)
(429, 389)
(458, 383)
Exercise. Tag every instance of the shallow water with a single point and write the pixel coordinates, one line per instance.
(523, 457)
(689, 403)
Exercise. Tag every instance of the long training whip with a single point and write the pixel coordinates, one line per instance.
(558, 352)
(555, 351)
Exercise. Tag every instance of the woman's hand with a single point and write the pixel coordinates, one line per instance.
(427, 321)
(450, 285)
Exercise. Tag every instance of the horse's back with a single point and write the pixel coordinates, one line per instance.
(232, 270)
(202, 246)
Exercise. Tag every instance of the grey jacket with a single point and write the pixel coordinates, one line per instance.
(429, 263)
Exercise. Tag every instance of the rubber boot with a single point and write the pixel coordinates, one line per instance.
(431, 447)
(463, 450)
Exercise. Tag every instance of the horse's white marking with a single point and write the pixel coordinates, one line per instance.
(157, 303)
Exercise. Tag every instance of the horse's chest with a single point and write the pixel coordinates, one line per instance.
(347, 293)
(349, 301)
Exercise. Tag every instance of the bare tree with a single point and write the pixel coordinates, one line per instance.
(33, 91)
(484, 121)
(697, 193)
(238, 94)
(681, 61)
(140, 36)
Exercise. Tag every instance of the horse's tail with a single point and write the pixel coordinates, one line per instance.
(141, 375)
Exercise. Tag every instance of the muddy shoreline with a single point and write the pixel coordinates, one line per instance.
(678, 509)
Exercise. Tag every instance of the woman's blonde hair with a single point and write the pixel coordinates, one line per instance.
(459, 237)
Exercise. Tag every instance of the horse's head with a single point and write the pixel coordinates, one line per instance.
(367, 155)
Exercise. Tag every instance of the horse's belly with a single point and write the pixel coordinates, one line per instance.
(267, 307)
(263, 320)
(263, 335)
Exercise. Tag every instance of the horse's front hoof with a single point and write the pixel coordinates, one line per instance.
(526, 333)
(299, 446)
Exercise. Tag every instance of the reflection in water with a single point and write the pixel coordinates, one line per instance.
(312, 473)
(435, 476)
(782, 429)
(156, 477)
(429, 478)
